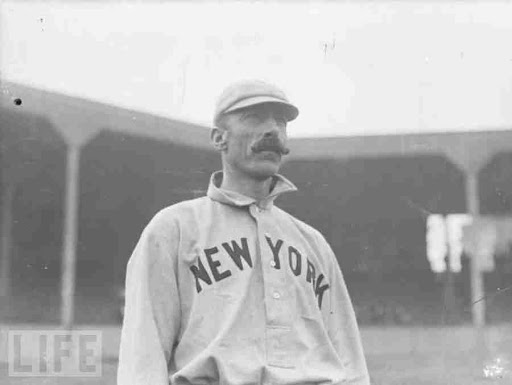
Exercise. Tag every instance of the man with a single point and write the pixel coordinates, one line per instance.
(228, 288)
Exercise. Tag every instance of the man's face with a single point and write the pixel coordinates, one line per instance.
(256, 140)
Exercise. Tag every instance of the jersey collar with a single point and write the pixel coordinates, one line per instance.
(215, 192)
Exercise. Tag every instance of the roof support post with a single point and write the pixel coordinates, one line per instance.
(477, 282)
(471, 161)
(6, 241)
(76, 137)
(69, 237)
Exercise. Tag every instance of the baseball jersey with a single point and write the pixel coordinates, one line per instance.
(224, 289)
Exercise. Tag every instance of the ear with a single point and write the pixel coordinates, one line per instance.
(218, 137)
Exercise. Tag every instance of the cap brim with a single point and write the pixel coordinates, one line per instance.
(291, 111)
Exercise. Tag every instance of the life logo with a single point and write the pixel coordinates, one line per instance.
(54, 353)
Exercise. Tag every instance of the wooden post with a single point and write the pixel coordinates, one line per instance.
(70, 236)
(477, 283)
(6, 240)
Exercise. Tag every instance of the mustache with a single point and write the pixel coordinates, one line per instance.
(270, 144)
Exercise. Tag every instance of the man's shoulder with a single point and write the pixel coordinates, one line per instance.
(310, 234)
(183, 206)
(300, 224)
(173, 214)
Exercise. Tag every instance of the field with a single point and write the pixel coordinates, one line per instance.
(395, 356)
(388, 369)
(431, 369)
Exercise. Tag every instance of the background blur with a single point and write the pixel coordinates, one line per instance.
(405, 113)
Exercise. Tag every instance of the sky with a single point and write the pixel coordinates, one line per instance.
(352, 68)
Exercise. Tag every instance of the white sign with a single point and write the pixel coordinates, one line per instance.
(445, 238)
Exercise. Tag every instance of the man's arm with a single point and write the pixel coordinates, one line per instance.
(342, 324)
(152, 308)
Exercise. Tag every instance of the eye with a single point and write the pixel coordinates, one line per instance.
(252, 116)
(280, 119)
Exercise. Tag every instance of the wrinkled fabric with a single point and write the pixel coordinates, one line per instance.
(227, 290)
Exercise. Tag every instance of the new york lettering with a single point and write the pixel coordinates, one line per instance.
(238, 252)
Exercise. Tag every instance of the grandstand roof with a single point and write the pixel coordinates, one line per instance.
(78, 120)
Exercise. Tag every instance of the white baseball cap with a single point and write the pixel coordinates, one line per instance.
(249, 93)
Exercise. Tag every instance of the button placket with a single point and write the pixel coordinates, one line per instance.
(277, 295)
(280, 347)
(278, 299)
(256, 212)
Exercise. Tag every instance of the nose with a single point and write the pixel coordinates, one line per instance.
(271, 128)
(270, 133)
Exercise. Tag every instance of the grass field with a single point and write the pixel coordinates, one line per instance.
(414, 369)
(429, 369)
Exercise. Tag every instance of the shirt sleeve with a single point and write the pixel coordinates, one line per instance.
(342, 325)
(152, 308)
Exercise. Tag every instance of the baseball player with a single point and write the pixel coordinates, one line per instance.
(230, 289)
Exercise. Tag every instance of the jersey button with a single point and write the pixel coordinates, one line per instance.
(276, 295)
(273, 263)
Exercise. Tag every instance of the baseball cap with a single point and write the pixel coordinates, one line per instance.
(247, 93)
